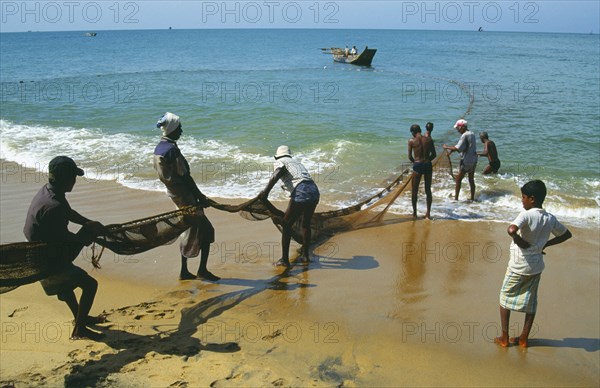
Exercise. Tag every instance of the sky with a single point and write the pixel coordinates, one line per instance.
(578, 16)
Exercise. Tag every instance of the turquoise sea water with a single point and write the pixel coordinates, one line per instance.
(241, 93)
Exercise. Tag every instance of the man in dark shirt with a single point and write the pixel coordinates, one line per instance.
(47, 221)
(174, 171)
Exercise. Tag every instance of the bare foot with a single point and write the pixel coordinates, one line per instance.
(207, 275)
(187, 276)
(501, 341)
(91, 320)
(85, 333)
(303, 259)
(282, 263)
(518, 341)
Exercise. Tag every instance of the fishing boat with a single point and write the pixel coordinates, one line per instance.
(360, 59)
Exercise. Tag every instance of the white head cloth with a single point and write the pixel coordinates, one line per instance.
(168, 123)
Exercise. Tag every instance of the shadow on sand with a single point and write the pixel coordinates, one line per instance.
(587, 344)
(179, 341)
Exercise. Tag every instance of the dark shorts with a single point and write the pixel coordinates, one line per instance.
(495, 165)
(306, 192)
(422, 167)
(468, 168)
(66, 280)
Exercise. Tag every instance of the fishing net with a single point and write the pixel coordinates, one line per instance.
(367, 212)
(142, 235)
(23, 263)
(26, 262)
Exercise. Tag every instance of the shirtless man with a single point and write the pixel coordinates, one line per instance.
(428, 129)
(421, 152)
(489, 150)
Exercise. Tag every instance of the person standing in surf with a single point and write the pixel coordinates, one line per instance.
(467, 147)
(489, 151)
(421, 152)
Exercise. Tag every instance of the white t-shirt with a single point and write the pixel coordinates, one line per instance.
(535, 226)
(467, 146)
(295, 172)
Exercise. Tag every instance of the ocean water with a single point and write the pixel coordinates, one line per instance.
(242, 93)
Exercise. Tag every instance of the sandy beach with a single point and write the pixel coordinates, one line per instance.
(405, 303)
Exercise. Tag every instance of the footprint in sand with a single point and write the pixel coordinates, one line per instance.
(75, 354)
(131, 310)
(16, 312)
(148, 312)
(179, 384)
(272, 336)
(263, 313)
(85, 353)
(36, 377)
(181, 294)
(155, 315)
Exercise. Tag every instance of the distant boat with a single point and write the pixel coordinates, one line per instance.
(90, 34)
(363, 59)
(480, 29)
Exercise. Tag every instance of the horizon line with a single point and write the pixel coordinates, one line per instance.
(304, 28)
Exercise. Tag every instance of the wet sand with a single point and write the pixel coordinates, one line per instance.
(404, 303)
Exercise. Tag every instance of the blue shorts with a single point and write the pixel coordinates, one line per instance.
(422, 167)
(306, 192)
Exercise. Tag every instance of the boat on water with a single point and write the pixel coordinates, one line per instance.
(90, 33)
(343, 56)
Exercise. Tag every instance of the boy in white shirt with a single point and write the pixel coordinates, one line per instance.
(530, 232)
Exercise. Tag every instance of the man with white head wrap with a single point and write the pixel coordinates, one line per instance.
(168, 123)
(174, 171)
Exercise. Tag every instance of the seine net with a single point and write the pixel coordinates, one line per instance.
(24, 262)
